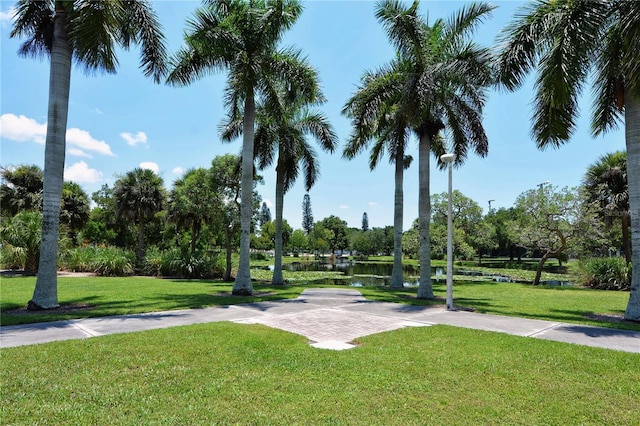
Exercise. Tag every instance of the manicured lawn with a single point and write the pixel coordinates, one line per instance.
(116, 296)
(224, 373)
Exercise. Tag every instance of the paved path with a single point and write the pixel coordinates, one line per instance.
(330, 318)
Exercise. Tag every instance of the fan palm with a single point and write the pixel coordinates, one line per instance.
(242, 38)
(566, 41)
(139, 196)
(438, 82)
(606, 184)
(88, 32)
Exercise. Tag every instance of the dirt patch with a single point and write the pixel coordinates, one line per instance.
(254, 294)
(62, 309)
(607, 317)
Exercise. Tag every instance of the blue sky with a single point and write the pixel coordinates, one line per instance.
(123, 121)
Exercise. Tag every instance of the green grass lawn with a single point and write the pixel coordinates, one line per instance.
(116, 296)
(224, 373)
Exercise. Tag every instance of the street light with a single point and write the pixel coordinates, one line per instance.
(541, 184)
(490, 201)
(448, 159)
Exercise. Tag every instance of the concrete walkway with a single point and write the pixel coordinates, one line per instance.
(330, 318)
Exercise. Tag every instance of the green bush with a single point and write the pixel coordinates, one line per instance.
(113, 262)
(12, 257)
(152, 262)
(178, 263)
(259, 255)
(607, 273)
(104, 261)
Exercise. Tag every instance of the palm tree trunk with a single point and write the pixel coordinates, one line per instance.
(425, 289)
(45, 294)
(396, 275)
(227, 243)
(632, 134)
(277, 267)
(242, 286)
(626, 236)
(140, 253)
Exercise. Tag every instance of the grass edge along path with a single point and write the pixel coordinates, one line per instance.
(224, 373)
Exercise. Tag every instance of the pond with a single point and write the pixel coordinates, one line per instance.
(358, 274)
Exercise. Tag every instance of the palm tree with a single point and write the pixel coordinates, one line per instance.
(389, 132)
(21, 189)
(437, 82)
(606, 184)
(88, 32)
(241, 37)
(139, 196)
(21, 234)
(285, 134)
(567, 40)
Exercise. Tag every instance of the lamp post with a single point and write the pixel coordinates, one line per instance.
(448, 159)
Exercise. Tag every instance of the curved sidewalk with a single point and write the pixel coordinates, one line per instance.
(330, 318)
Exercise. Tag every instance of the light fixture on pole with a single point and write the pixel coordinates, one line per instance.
(542, 184)
(490, 201)
(448, 159)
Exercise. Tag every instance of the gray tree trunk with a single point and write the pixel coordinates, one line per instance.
(396, 275)
(425, 288)
(632, 134)
(277, 267)
(242, 286)
(45, 294)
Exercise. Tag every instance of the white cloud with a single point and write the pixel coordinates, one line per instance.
(139, 138)
(344, 207)
(22, 129)
(98, 111)
(78, 153)
(6, 16)
(80, 172)
(178, 170)
(373, 204)
(83, 139)
(269, 203)
(151, 166)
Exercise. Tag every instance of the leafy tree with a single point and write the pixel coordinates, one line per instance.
(21, 189)
(307, 215)
(190, 203)
(87, 32)
(505, 237)
(334, 230)
(438, 81)
(226, 176)
(242, 38)
(139, 196)
(550, 222)
(22, 234)
(298, 241)
(606, 183)
(265, 214)
(569, 41)
(75, 210)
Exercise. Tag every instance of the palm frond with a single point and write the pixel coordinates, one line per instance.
(33, 20)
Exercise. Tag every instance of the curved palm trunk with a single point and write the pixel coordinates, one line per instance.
(425, 289)
(277, 267)
(45, 294)
(141, 250)
(242, 286)
(227, 242)
(396, 275)
(632, 134)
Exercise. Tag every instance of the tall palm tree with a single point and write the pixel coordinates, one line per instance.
(87, 31)
(139, 196)
(438, 82)
(242, 38)
(606, 184)
(390, 134)
(283, 137)
(567, 41)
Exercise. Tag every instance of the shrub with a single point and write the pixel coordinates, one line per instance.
(113, 262)
(104, 261)
(178, 263)
(607, 273)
